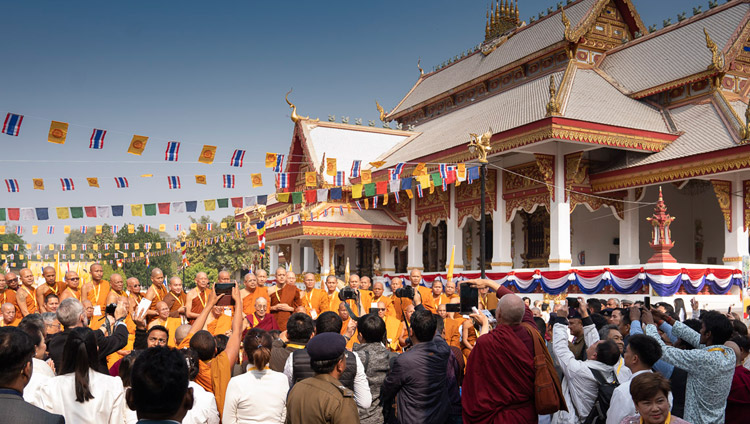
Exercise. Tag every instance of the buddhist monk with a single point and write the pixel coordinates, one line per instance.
(291, 277)
(450, 290)
(452, 323)
(499, 381)
(415, 277)
(365, 290)
(9, 315)
(345, 318)
(332, 293)
(361, 305)
(377, 296)
(365, 283)
(156, 293)
(284, 300)
(51, 285)
(252, 292)
(487, 300)
(97, 290)
(162, 310)
(399, 304)
(391, 326)
(176, 299)
(134, 293)
(218, 321)
(438, 298)
(116, 289)
(314, 300)
(72, 281)
(95, 322)
(7, 295)
(25, 294)
(262, 277)
(260, 318)
(197, 297)
(224, 277)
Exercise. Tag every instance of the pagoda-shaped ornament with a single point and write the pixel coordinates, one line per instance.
(661, 238)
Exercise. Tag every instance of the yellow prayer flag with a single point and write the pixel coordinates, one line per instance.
(57, 132)
(131, 229)
(158, 245)
(66, 229)
(136, 246)
(5, 246)
(200, 179)
(210, 205)
(63, 213)
(147, 175)
(461, 171)
(311, 179)
(136, 210)
(193, 227)
(385, 199)
(423, 180)
(421, 169)
(331, 167)
(141, 254)
(367, 204)
(282, 197)
(432, 186)
(377, 164)
(357, 191)
(162, 227)
(208, 153)
(137, 145)
(365, 176)
(117, 246)
(34, 229)
(73, 247)
(51, 247)
(270, 160)
(98, 230)
(93, 181)
(257, 180)
(409, 193)
(223, 225)
(38, 183)
(95, 246)
(28, 246)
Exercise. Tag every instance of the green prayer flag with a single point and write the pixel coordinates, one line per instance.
(436, 180)
(2, 214)
(297, 197)
(150, 209)
(76, 212)
(223, 203)
(370, 189)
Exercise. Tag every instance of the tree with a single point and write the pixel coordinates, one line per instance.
(138, 267)
(11, 240)
(232, 252)
(190, 272)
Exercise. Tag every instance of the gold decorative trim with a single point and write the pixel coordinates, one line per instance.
(388, 269)
(676, 83)
(526, 204)
(553, 106)
(418, 268)
(717, 57)
(546, 164)
(560, 261)
(501, 264)
(734, 259)
(723, 191)
(746, 203)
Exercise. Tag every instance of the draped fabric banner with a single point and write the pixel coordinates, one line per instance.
(664, 282)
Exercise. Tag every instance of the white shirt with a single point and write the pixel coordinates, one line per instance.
(57, 395)
(204, 410)
(259, 396)
(362, 395)
(621, 405)
(40, 373)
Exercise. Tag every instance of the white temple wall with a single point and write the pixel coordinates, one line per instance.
(593, 235)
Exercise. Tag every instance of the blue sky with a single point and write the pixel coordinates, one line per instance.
(207, 73)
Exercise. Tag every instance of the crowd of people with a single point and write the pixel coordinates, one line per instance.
(347, 352)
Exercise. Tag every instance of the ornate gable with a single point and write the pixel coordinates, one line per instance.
(610, 24)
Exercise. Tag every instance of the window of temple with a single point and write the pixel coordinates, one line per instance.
(536, 238)
(401, 259)
(434, 250)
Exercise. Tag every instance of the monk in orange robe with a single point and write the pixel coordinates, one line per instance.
(251, 293)
(345, 318)
(197, 297)
(332, 293)
(399, 303)
(156, 293)
(97, 290)
(438, 298)
(284, 300)
(9, 315)
(176, 299)
(8, 295)
(314, 300)
(25, 294)
(426, 294)
(51, 285)
(72, 280)
(377, 296)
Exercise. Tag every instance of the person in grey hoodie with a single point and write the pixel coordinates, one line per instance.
(376, 359)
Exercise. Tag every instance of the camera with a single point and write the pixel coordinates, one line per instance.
(347, 293)
(407, 292)
(110, 309)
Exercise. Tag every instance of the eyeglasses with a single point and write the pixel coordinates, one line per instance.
(10, 280)
(74, 279)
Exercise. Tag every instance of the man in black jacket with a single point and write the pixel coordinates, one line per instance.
(418, 376)
(71, 314)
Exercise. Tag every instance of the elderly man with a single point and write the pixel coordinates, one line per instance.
(50, 286)
(51, 302)
(260, 318)
(197, 297)
(176, 299)
(12, 280)
(399, 303)
(94, 321)
(285, 299)
(163, 314)
(72, 291)
(346, 322)
(156, 293)
(25, 294)
(450, 290)
(224, 277)
(332, 293)
(251, 293)
(377, 296)
(97, 290)
(9, 296)
(365, 283)
(262, 277)
(9, 315)
(116, 290)
(134, 291)
(361, 305)
(499, 382)
(613, 303)
(314, 300)
(415, 277)
(51, 324)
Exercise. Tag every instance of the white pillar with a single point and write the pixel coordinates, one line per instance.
(296, 261)
(736, 241)
(387, 257)
(454, 236)
(326, 268)
(501, 231)
(273, 258)
(629, 245)
(415, 240)
(559, 257)
(308, 265)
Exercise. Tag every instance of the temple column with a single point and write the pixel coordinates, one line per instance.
(629, 245)
(296, 261)
(308, 262)
(387, 257)
(415, 240)
(559, 256)
(501, 231)
(453, 236)
(273, 258)
(325, 269)
(735, 241)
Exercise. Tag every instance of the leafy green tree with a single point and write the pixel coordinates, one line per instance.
(11, 240)
(138, 267)
(232, 254)
(194, 268)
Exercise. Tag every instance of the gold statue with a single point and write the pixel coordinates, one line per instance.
(745, 128)
(717, 58)
(295, 117)
(421, 71)
(566, 24)
(182, 235)
(553, 106)
(480, 144)
(381, 111)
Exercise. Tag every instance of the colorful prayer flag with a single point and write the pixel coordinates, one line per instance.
(282, 180)
(177, 227)
(12, 124)
(340, 179)
(257, 180)
(208, 153)
(377, 164)
(38, 183)
(63, 213)
(356, 167)
(279, 163)
(398, 169)
(331, 167)
(137, 145)
(357, 191)
(67, 184)
(420, 169)
(57, 132)
(359, 206)
(311, 179)
(97, 139)
(84, 229)
(228, 180)
(200, 179)
(173, 151)
(174, 182)
(121, 182)
(136, 210)
(209, 204)
(419, 190)
(93, 182)
(50, 229)
(237, 157)
(270, 160)
(366, 176)
(12, 185)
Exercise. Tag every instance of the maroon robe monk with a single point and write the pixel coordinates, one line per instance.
(288, 295)
(499, 383)
(267, 322)
(738, 402)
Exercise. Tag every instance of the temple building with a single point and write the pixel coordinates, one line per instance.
(595, 124)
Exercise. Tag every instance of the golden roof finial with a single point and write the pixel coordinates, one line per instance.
(497, 12)
(745, 129)
(421, 71)
(717, 58)
(487, 25)
(518, 16)
(295, 117)
(553, 106)
(480, 144)
(381, 110)
(566, 23)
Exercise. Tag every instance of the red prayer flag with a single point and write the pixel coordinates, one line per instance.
(381, 187)
(236, 202)
(451, 177)
(164, 208)
(14, 214)
(90, 211)
(311, 196)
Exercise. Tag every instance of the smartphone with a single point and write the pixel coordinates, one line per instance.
(469, 298)
(647, 302)
(224, 288)
(573, 302)
(453, 307)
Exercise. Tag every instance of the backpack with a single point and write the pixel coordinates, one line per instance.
(598, 414)
(548, 396)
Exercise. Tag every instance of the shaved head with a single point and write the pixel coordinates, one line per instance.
(510, 309)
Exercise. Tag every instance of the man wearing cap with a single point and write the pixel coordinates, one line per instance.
(323, 398)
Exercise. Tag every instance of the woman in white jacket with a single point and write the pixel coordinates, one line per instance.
(79, 393)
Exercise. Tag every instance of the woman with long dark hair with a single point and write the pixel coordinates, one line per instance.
(79, 392)
(258, 396)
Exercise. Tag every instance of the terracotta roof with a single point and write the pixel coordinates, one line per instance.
(528, 40)
(674, 53)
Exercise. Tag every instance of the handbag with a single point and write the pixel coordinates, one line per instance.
(548, 396)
